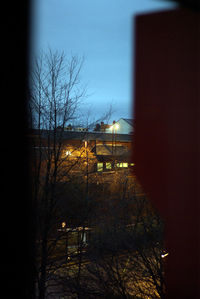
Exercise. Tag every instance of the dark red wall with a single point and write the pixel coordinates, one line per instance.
(167, 136)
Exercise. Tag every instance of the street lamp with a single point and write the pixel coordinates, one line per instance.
(87, 173)
(114, 129)
(68, 153)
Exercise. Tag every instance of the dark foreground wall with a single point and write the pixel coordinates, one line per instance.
(167, 136)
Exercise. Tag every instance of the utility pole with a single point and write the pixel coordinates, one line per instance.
(87, 173)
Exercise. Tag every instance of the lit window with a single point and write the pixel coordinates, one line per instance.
(100, 166)
(132, 164)
(108, 165)
(119, 164)
(122, 164)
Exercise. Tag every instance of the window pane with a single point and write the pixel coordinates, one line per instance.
(100, 166)
(108, 165)
(125, 164)
(119, 164)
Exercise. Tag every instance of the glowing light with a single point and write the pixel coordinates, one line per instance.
(68, 153)
(115, 127)
(164, 255)
(63, 224)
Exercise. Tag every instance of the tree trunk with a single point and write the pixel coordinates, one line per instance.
(42, 281)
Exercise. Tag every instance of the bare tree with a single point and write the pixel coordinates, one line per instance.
(121, 256)
(55, 95)
(124, 255)
(60, 195)
(56, 90)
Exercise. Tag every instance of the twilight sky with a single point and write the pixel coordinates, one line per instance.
(102, 31)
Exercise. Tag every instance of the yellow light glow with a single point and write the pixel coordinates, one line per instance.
(68, 153)
(116, 126)
(164, 255)
(63, 224)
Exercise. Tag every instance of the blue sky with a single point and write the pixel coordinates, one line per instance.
(101, 30)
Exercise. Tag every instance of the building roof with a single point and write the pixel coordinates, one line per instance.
(98, 136)
(110, 150)
(129, 121)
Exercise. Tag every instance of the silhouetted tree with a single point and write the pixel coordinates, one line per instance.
(123, 256)
(61, 172)
(55, 94)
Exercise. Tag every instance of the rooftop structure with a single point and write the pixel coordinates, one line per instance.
(122, 126)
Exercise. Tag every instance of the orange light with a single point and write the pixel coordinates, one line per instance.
(63, 224)
(164, 255)
(68, 153)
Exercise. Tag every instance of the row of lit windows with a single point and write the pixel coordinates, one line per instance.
(109, 165)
